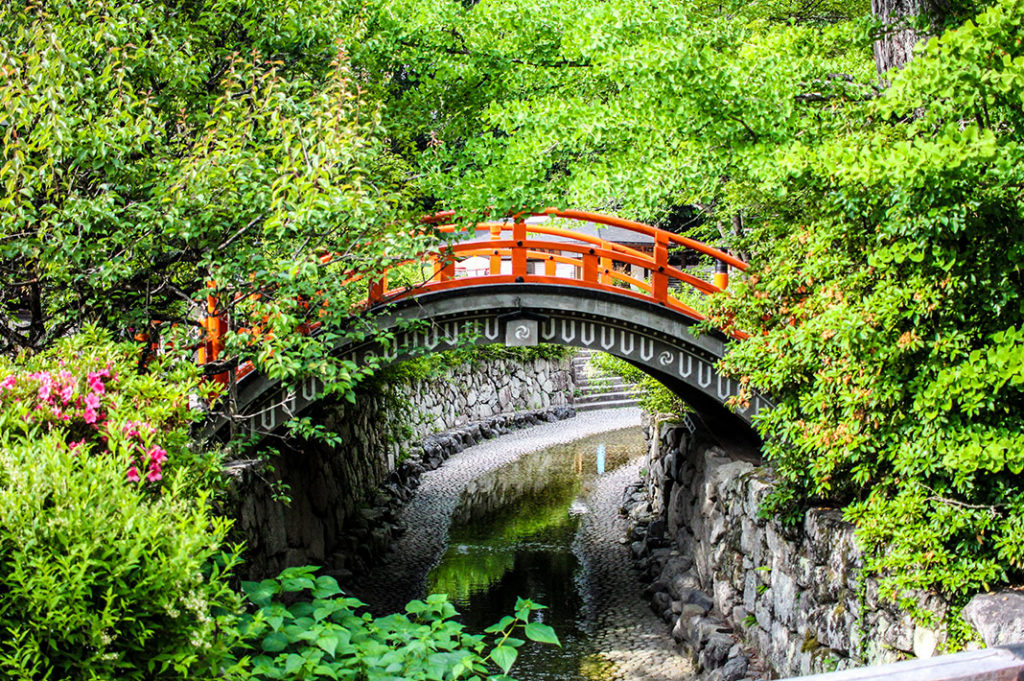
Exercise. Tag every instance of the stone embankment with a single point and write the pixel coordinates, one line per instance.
(747, 597)
(344, 498)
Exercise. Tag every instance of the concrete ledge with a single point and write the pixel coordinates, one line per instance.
(992, 664)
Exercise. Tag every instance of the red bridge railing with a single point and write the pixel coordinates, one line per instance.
(518, 251)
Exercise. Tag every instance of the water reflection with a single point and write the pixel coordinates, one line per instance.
(512, 534)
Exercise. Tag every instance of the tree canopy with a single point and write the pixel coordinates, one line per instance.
(151, 147)
(882, 217)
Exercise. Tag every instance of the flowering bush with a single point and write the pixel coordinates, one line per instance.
(90, 390)
(111, 562)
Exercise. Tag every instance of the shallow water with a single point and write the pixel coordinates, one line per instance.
(514, 533)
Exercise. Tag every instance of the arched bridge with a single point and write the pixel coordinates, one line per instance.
(531, 280)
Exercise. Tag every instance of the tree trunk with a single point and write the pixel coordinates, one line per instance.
(893, 48)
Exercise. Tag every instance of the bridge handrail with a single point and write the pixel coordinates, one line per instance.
(678, 239)
(1003, 663)
(595, 264)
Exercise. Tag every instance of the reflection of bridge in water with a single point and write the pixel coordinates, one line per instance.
(543, 284)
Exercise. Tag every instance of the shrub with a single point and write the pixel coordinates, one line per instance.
(111, 563)
(91, 391)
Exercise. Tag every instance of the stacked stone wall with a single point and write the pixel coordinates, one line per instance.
(344, 499)
(746, 596)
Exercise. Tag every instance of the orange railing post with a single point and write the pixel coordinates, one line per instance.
(659, 280)
(590, 267)
(444, 265)
(215, 326)
(605, 266)
(721, 279)
(378, 288)
(495, 267)
(519, 250)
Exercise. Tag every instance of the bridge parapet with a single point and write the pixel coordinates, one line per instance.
(619, 296)
(522, 251)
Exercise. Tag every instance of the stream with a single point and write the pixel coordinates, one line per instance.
(535, 514)
(514, 534)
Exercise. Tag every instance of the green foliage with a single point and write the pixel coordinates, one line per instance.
(104, 576)
(92, 393)
(323, 636)
(149, 147)
(651, 395)
(607, 104)
(886, 318)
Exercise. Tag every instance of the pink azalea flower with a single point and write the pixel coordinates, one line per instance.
(96, 382)
(75, 445)
(133, 474)
(90, 415)
(92, 400)
(9, 382)
(153, 476)
(157, 455)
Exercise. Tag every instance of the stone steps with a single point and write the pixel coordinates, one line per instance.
(592, 406)
(598, 392)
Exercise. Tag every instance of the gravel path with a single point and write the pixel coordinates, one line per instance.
(634, 643)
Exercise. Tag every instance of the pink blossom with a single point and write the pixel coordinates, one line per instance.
(96, 381)
(75, 445)
(133, 474)
(92, 403)
(157, 455)
(154, 475)
(9, 382)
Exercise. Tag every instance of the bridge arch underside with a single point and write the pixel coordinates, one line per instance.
(651, 337)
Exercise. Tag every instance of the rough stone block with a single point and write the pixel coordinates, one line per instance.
(784, 597)
(779, 653)
(715, 651)
(925, 642)
(724, 597)
(682, 584)
(735, 669)
(763, 610)
(998, 617)
(750, 591)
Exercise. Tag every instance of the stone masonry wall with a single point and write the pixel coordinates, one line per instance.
(745, 596)
(344, 499)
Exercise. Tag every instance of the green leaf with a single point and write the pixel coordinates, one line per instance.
(261, 593)
(325, 587)
(501, 625)
(504, 657)
(275, 642)
(293, 663)
(541, 633)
